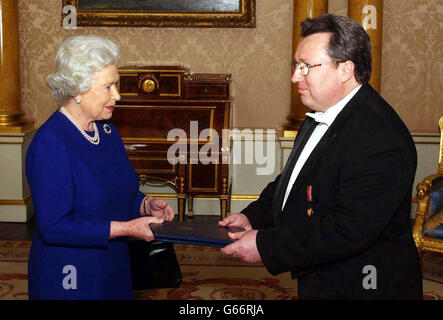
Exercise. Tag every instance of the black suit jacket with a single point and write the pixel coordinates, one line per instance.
(361, 173)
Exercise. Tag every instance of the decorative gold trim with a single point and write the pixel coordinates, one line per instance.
(218, 78)
(149, 171)
(244, 18)
(440, 156)
(136, 71)
(434, 245)
(12, 118)
(226, 143)
(290, 133)
(169, 107)
(435, 221)
(236, 197)
(227, 116)
(17, 127)
(11, 142)
(23, 202)
(162, 195)
(245, 197)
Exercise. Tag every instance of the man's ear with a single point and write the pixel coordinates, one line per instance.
(347, 70)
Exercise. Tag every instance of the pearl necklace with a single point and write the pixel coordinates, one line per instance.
(94, 140)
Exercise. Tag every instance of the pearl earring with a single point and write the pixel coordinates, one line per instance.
(77, 100)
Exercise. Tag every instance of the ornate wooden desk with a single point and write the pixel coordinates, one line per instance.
(158, 99)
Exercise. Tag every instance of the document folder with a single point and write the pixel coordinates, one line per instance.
(189, 232)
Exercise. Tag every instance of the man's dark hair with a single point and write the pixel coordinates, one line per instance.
(349, 41)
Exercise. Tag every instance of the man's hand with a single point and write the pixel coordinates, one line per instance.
(245, 248)
(236, 220)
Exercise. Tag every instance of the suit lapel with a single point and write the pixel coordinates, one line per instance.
(287, 171)
(312, 160)
(330, 135)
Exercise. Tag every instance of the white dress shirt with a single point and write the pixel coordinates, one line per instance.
(325, 120)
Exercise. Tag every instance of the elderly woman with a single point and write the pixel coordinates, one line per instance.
(84, 189)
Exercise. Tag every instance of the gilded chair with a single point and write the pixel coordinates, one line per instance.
(428, 224)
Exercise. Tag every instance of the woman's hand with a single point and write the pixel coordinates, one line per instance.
(137, 228)
(158, 208)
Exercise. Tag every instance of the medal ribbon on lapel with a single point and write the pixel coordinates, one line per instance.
(309, 199)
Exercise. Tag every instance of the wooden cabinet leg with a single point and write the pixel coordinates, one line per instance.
(181, 207)
(190, 206)
(225, 202)
(223, 207)
(229, 197)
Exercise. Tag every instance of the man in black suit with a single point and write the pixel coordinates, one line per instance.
(337, 217)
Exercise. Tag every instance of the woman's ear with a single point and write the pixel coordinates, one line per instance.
(77, 99)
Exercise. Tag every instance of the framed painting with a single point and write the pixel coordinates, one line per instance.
(162, 13)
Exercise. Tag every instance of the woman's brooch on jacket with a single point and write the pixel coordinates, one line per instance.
(107, 128)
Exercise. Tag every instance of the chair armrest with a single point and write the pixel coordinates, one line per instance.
(424, 190)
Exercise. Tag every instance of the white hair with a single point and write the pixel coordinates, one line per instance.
(77, 61)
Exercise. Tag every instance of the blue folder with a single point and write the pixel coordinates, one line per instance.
(189, 232)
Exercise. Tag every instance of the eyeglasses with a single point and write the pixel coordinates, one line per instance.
(304, 67)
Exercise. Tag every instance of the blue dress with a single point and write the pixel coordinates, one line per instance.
(77, 189)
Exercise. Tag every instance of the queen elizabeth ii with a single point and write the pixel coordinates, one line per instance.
(84, 188)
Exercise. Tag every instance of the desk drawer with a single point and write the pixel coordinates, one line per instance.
(153, 165)
(213, 91)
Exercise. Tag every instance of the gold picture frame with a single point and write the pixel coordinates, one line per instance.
(162, 13)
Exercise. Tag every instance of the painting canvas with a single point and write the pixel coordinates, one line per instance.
(162, 5)
(164, 13)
